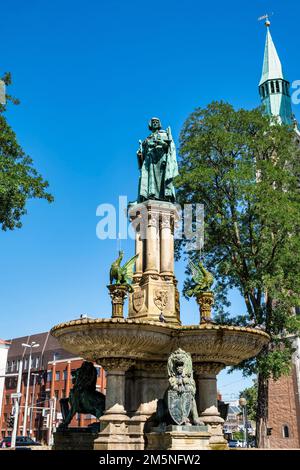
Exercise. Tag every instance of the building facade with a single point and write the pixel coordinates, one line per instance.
(50, 380)
(284, 412)
(4, 346)
(284, 397)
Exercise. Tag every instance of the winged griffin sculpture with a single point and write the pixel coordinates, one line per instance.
(202, 279)
(122, 275)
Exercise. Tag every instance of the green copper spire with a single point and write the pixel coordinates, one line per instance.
(274, 89)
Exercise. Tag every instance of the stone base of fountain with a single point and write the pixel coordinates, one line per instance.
(178, 438)
(134, 354)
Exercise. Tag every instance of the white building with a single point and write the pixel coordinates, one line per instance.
(4, 346)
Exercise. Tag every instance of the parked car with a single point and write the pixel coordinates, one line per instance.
(233, 443)
(21, 441)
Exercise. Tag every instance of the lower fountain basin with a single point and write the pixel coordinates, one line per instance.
(98, 339)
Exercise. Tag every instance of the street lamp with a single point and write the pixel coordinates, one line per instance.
(35, 375)
(243, 404)
(32, 345)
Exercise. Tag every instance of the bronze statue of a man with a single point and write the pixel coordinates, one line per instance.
(157, 164)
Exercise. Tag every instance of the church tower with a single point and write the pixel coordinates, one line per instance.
(284, 403)
(274, 89)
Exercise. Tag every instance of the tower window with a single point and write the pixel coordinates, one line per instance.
(272, 87)
(277, 87)
(285, 431)
(266, 89)
(262, 91)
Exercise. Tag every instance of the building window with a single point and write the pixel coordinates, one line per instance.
(57, 375)
(49, 376)
(285, 431)
(65, 374)
(37, 362)
(7, 366)
(25, 364)
(277, 86)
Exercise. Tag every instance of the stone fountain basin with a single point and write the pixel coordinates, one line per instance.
(97, 339)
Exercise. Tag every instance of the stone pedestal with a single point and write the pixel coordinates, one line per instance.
(154, 284)
(205, 301)
(118, 294)
(178, 438)
(74, 439)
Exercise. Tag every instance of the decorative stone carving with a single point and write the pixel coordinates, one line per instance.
(207, 367)
(155, 277)
(165, 221)
(161, 298)
(167, 278)
(117, 363)
(153, 219)
(118, 294)
(152, 366)
(138, 298)
(205, 301)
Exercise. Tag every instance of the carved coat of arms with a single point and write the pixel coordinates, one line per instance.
(161, 298)
(138, 299)
(179, 405)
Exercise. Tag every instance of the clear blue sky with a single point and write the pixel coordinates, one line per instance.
(89, 76)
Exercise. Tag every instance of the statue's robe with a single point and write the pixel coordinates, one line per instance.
(159, 168)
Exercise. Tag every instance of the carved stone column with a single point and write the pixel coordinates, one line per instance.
(207, 401)
(205, 301)
(138, 251)
(152, 264)
(118, 295)
(114, 424)
(115, 384)
(166, 245)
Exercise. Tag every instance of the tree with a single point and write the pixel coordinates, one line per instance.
(19, 180)
(244, 167)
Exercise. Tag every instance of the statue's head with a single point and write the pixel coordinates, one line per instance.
(154, 124)
(180, 363)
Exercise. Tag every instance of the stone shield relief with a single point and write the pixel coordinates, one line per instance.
(161, 298)
(138, 299)
(179, 406)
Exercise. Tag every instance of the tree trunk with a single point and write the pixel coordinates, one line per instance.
(262, 440)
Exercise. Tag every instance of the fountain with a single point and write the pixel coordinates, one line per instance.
(135, 350)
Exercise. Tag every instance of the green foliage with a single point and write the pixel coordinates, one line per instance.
(19, 180)
(250, 394)
(244, 167)
(238, 435)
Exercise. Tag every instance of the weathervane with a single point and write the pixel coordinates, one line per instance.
(267, 18)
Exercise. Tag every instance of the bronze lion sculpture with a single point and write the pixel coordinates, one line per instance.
(84, 398)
